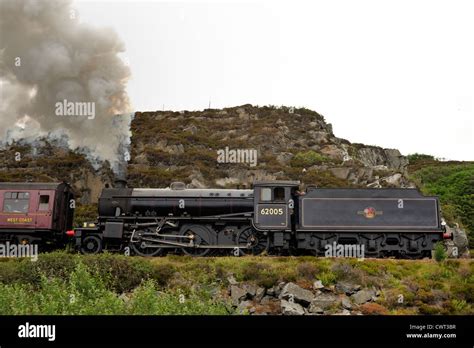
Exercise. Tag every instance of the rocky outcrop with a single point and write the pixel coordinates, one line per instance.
(382, 158)
(345, 298)
(282, 137)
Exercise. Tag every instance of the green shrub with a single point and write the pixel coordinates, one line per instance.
(440, 252)
(307, 159)
(419, 157)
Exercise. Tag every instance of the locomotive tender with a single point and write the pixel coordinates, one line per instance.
(274, 216)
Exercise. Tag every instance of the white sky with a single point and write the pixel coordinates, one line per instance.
(396, 74)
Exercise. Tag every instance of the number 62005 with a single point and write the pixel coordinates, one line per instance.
(271, 211)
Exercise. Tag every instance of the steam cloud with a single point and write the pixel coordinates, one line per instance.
(48, 56)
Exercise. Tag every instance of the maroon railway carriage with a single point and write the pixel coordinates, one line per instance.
(35, 212)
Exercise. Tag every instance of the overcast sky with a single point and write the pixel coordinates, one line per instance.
(397, 74)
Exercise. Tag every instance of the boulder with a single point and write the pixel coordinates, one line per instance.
(300, 295)
(250, 289)
(324, 300)
(346, 303)
(376, 156)
(363, 296)
(333, 152)
(291, 308)
(315, 309)
(394, 179)
(259, 294)
(237, 294)
(266, 300)
(347, 288)
(341, 172)
(319, 137)
(244, 306)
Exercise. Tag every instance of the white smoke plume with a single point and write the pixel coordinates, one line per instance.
(48, 56)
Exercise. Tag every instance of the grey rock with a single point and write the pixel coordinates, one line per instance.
(318, 285)
(231, 280)
(260, 293)
(344, 312)
(244, 306)
(237, 294)
(315, 309)
(271, 291)
(341, 172)
(266, 300)
(363, 296)
(346, 303)
(300, 295)
(324, 300)
(291, 308)
(319, 137)
(250, 289)
(284, 157)
(329, 128)
(393, 179)
(348, 288)
(375, 156)
(275, 290)
(333, 152)
(461, 241)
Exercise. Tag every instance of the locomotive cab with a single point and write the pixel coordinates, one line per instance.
(273, 202)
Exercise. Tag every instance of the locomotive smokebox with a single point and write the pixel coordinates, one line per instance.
(120, 183)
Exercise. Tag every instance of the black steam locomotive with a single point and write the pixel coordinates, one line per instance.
(273, 217)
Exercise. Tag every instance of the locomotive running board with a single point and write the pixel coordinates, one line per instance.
(191, 246)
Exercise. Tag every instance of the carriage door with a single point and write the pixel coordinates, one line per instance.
(44, 206)
(271, 208)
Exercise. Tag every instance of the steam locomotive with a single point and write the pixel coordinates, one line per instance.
(273, 217)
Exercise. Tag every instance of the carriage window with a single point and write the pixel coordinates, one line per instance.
(279, 194)
(266, 194)
(43, 203)
(16, 202)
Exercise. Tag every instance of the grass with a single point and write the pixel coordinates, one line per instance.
(62, 283)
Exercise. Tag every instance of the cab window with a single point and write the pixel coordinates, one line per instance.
(279, 194)
(16, 202)
(266, 194)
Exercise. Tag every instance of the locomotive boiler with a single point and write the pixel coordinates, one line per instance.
(273, 217)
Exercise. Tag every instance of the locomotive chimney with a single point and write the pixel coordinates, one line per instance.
(120, 183)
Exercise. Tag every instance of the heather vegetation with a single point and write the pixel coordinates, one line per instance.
(62, 283)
